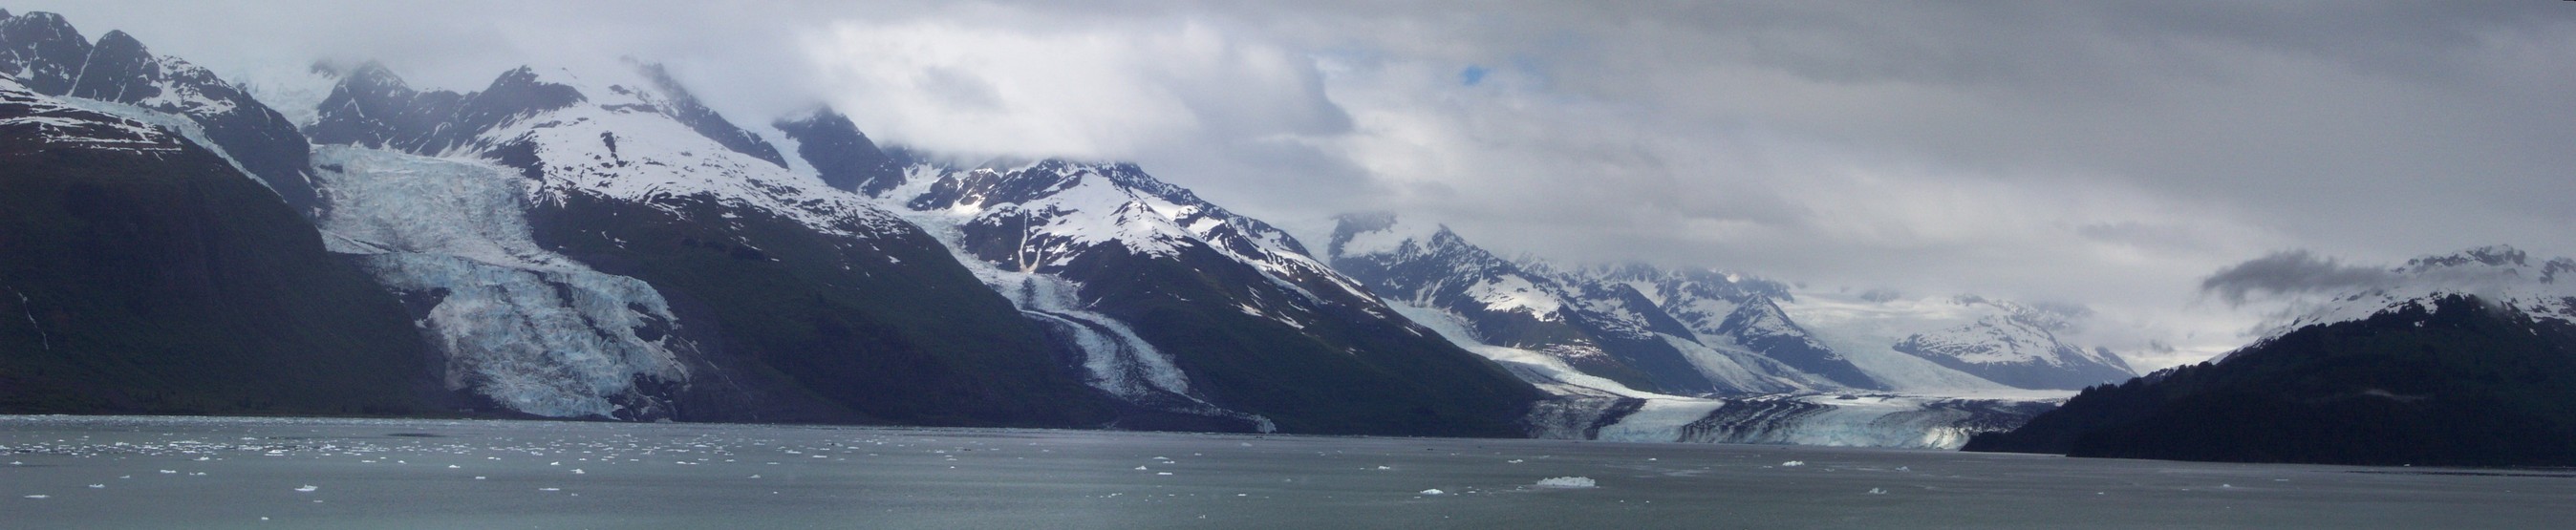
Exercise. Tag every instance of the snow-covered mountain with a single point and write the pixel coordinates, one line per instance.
(2020, 350)
(1723, 309)
(1603, 327)
(1181, 306)
(601, 244)
(1171, 312)
(1746, 334)
(1777, 381)
(46, 55)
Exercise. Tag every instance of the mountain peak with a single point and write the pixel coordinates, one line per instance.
(684, 106)
(42, 51)
(841, 155)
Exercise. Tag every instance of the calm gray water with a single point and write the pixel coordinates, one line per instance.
(158, 472)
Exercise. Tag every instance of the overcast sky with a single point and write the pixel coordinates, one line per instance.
(2107, 154)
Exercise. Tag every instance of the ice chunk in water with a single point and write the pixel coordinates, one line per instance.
(1434, 491)
(308, 488)
(1566, 482)
(1793, 463)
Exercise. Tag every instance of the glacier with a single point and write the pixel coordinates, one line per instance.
(529, 329)
(1589, 407)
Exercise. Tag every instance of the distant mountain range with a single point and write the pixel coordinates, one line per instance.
(602, 245)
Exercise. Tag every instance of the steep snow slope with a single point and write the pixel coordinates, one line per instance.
(35, 123)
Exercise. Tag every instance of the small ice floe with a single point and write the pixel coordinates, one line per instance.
(478, 477)
(204, 458)
(1434, 491)
(453, 466)
(97, 486)
(307, 488)
(549, 489)
(577, 471)
(1793, 463)
(1245, 444)
(1512, 461)
(1140, 468)
(1383, 468)
(1163, 473)
(1567, 482)
(755, 476)
(169, 472)
(39, 496)
(1878, 491)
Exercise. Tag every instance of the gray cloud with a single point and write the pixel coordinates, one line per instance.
(2293, 272)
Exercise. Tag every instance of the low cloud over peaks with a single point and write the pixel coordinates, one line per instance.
(2291, 272)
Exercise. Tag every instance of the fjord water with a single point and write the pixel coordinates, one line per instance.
(166, 472)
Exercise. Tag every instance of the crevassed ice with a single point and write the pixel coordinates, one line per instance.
(533, 330)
